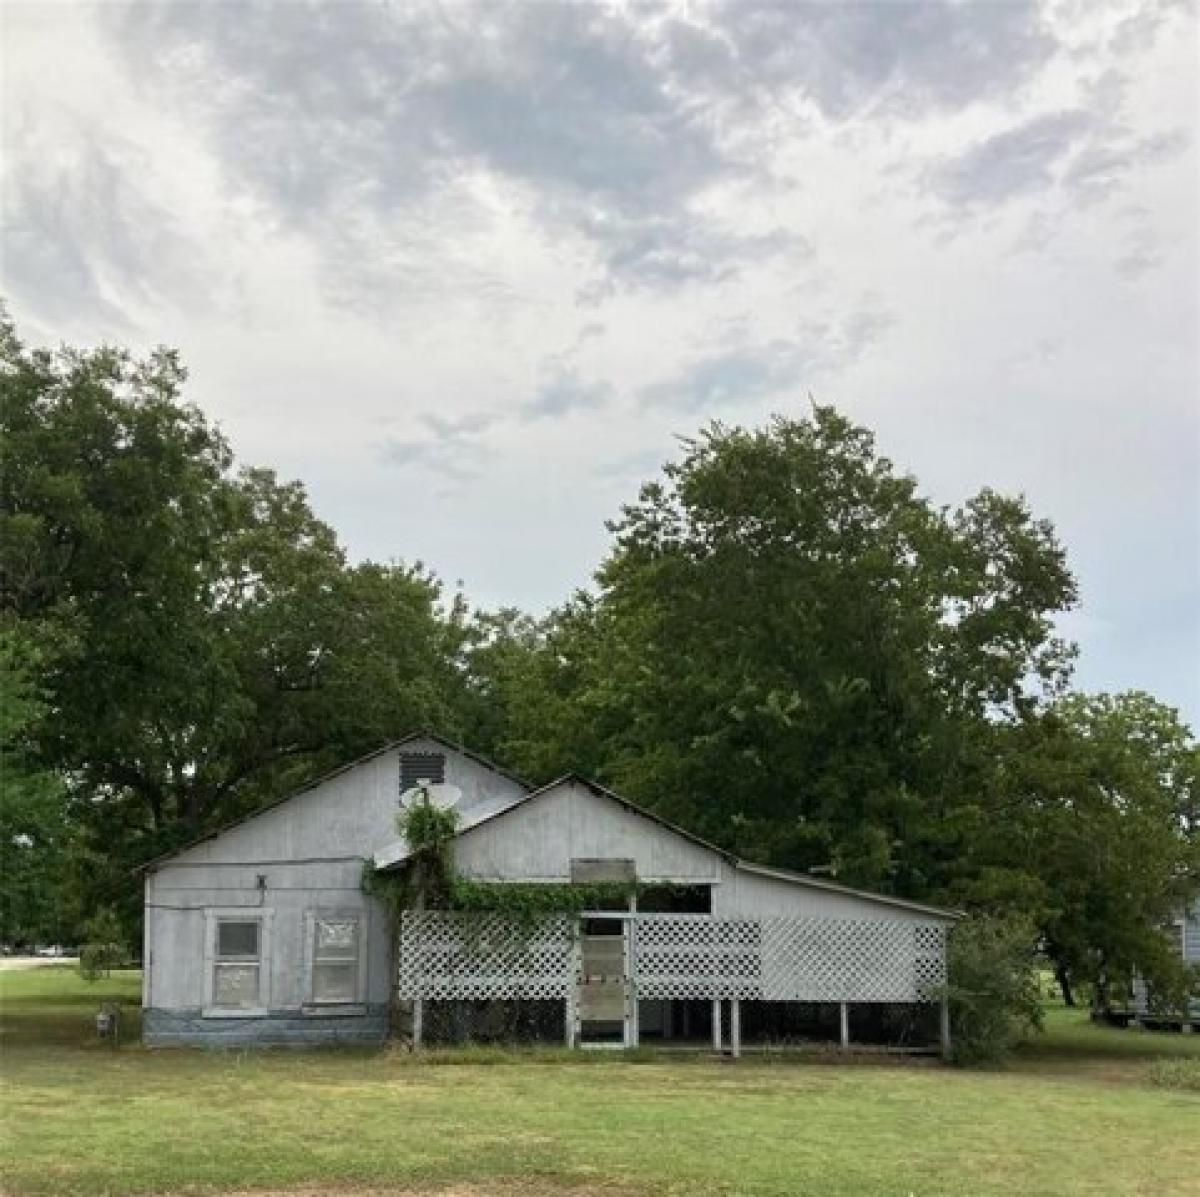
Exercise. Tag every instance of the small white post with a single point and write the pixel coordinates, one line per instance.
(418, 1006)
(844, 1022)
(716, 1025)
(574, 979)
(633, 1026)
(944, 1028)
(735, 1027)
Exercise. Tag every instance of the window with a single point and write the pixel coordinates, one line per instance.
(237, 964)
(335, 959)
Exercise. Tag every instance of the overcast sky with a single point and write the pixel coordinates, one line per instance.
(469, 270)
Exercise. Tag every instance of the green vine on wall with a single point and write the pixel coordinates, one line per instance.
(528, 903)
(427, 876)
(429, 831)
(392, 890)
(427, 880)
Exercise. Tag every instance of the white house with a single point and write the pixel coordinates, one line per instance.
(1184, 933)
(264, 932)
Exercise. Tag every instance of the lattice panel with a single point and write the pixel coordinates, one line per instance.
(698, 958)
(482, 956)
(449, 955)
(929, 944)
(850, 960)
(816, 960)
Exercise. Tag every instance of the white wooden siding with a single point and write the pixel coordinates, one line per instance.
(351, 813)
(538, 840)
(743, 894)
(1191, 934)
(310, 850)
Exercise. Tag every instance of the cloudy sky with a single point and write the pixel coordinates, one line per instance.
(469, 270)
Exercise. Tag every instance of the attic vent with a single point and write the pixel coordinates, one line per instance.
(421, 766)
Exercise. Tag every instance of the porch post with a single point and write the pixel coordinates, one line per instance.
(633, 1029)
(844, 1024)
(716, 1025)
(418, 1007)
(735, 1027)
(574, 968)
(944, 1027)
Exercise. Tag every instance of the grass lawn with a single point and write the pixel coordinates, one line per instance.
(1075, 1114)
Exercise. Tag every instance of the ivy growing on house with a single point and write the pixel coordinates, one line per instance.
(428, 880)
(427, 877)
(527, 903)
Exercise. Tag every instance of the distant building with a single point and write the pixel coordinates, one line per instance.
(1185, 934)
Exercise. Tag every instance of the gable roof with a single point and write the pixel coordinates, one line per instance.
(603, 792)
(444, 741)
(397, 854)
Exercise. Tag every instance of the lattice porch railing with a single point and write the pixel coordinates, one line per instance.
(448, 955)
(451, 955)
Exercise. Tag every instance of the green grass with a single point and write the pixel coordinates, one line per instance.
(1076, 1113)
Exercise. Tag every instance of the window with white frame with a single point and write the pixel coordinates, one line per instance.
(237, 963)
(336, 945)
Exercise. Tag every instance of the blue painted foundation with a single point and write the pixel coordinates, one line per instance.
(163, 1028)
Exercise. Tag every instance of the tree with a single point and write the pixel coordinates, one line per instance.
(795, 653)
(114, 498)
(499, 659)
(1094, 826)
(33, 826)
(214, 646)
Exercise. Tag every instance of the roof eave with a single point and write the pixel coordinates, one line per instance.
(749, 866)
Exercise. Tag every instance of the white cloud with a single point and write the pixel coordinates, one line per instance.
(469, 270)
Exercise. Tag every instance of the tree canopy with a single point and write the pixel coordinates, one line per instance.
(793, 650)
(788, 649)
(203, 643)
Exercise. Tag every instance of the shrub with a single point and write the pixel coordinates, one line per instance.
(1176, 1074)
(993, 989)
(104, 948)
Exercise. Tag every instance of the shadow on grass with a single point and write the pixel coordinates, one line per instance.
(53, 1004)
(1071, 1045)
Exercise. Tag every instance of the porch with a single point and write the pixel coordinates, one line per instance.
(616, 979)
